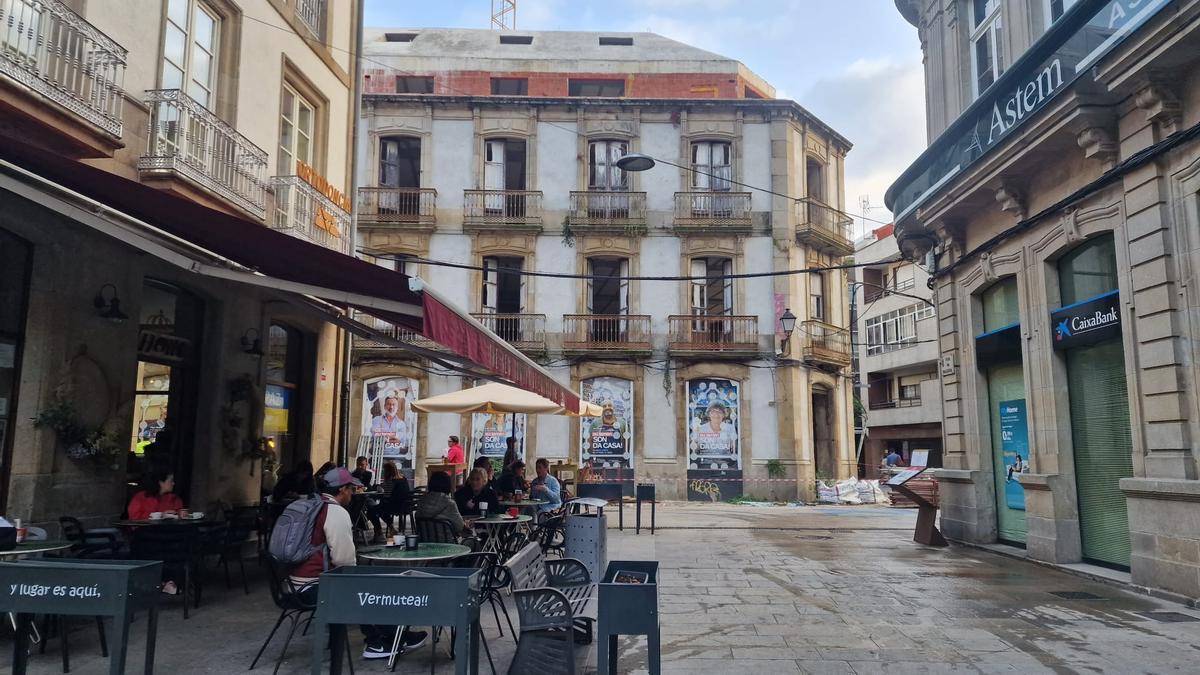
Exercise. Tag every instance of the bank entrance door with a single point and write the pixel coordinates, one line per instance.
(998, 352)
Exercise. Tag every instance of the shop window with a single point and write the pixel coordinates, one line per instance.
(284, 377)
(986, 52)
(16, 258)
(1087, 271)
(1000, 308)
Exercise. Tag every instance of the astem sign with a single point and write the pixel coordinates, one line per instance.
(1065, 54)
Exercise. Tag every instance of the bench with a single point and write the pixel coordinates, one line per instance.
(529, 570)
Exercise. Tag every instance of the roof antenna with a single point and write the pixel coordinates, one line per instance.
(504, 14)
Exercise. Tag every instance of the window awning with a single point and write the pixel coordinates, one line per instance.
(214, 243)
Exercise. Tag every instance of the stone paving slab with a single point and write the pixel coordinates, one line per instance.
(773, 590)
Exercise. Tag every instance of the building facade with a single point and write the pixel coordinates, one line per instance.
(897, 354)
(243, 107)
(478, 171)
(1057, 209)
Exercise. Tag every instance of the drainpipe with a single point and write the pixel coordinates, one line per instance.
(347, 341)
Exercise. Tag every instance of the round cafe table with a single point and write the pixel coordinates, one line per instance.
(498, 528)
(164, 521)
(34, 548)
(425, 553)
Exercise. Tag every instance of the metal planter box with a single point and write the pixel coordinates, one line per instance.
(628, 609)
(587, 541)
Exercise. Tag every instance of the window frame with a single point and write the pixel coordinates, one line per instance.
(991, 26)
(703, 179)
(299, 99)
(408, 79)
(897, 329)
(186, 74)
(521, 82)
(1048, 7)
(610, 165)
(576, 87)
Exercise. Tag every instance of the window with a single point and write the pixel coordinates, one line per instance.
(190, 50)
(1088, 271)
(16, 262)
(510, 86)
(503, 285)
(607, 287)
(399, 37)
(1057, 8)
(516, 39)
(816, 290)
(504, 169)
(616, 42)
(903, 278)
(712, 166)
(414, 85)
(1000, 305)
(400, 162)
(712, 289)
(607, 88)
(896, 329)
(296, 128)
(603, 173)
(283, 380)
(986, 26)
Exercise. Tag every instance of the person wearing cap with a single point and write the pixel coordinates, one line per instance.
(333, 535)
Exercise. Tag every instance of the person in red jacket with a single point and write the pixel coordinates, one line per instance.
(454, 452)
(157, 495)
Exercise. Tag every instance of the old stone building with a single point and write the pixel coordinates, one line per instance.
(487, 156)
(1056, 209)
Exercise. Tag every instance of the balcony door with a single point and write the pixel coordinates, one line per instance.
(604, 176)
(712, 172)
(712, 298)
(504, 169)
(190, 49)
(399, 167)
(608, 295)
(504, 294)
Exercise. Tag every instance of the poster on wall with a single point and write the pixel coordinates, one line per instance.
(386, 414)
(1014, 444)
(714, 439)
(490, 433)
(606, 443)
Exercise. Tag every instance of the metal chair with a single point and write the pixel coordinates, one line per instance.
(296, 604)
(238, 527)
(178, 547)
(435, 531)
(486, 564)
(85, 543)
(551, 535)
(547, 643)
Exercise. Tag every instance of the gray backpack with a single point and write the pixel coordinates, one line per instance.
(291, 538)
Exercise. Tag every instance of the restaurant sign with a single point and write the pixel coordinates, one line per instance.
(322, 218)
(154, 346)
(1065, 54)
(1087, 322)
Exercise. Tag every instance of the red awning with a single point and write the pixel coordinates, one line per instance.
(273, 258)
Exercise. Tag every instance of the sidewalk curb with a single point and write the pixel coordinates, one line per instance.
(1012, 552)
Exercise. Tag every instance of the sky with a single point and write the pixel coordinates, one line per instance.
(855, 64)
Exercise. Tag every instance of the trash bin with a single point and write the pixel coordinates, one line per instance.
(628, 605)
(587, 541)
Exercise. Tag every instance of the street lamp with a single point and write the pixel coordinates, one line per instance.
(635, 161)
(788, 322)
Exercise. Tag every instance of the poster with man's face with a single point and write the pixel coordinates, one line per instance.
(386, 414)
(606, 442)
(490, 432)
(714, 434)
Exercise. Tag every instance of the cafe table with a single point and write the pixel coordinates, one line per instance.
(34, 548)
(496, 526)
(164, 521)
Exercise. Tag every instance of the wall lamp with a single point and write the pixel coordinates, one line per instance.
(108, 306)
(788, 322)
(251, 343)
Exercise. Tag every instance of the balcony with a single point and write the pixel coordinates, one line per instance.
(712, 211)
(926, 408)
(502, 209)
(409, 208)
(526, 332)
(713, 335)
(825, 344)
(386, 329)
(188, 141)
(311, 13)
(823, 227)
(302, 211)
(611, 212)
(586, 333)
(55, 54)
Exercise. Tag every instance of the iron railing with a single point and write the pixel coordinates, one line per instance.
(302, 211)
(608, 209)
(895, 403)
(397, 206)
(698, 333)
(312, 14)
(55, 52)
(712, 209)
(606, 332)
(823, 227)
(523, 331)
(188, 139)
(502, 207)
(825, 343)
(391, 331)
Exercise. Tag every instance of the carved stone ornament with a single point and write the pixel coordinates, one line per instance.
(987, 267)
(1070, 225)
(1010, 201)
(1098, 144)
(1161, 105)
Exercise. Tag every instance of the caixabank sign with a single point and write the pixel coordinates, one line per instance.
(1087, 322)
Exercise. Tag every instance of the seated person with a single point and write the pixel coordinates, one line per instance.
(295, 483)
(436, 504)
(512, 479)
(545, 487)
(476, 490)
(332, 534)
(157, 494)
(398, 501)
(363, 472)
(489, 469)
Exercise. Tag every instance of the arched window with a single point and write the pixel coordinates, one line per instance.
(1088, 270)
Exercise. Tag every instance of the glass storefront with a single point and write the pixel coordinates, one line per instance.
(999, 352)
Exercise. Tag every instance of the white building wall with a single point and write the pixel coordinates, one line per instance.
(557, 151)
(764, 436)
(662, 182)
(756, 164)
(553, 296)
(660, 257)
(759, 291)
(554, 431)
(452, 283)
(452, 169)
(661, 420)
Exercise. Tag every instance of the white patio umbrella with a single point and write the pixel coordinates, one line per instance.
(494, 397)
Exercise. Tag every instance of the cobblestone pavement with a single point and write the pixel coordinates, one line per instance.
(778, 590)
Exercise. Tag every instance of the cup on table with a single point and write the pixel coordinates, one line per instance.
(22, 532)
(197, 515)
(483, 508)
(185, 513)
(156, 515)
(410, 542)
(512, 512)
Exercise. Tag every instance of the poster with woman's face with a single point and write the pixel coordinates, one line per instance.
(490, 432)
(714, 434)
(606, 442)
(386, 414)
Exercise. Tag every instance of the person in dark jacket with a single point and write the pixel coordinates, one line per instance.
(436, 504)
(296, 483)
(474, 492)
(512, 479)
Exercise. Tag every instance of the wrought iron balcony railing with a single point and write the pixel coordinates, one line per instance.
(713, 333)
(56, 53)
(391, 331)
(825, 343)
(715, 210)
(523, 331)
(397, 206)
(598, 210)
(823, 227)
(606, 332)
(312, 14)
(502, 207)
(302, 211)
(189, 140)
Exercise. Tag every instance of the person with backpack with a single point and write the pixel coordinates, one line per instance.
(315, 535)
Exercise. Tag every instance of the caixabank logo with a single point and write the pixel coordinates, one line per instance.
(1087, 322)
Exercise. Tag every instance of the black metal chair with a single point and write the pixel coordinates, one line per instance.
(551, 535)
(435, 531)
(85, 543)
(485, 563)
(296, 604)
(239, 525)
(547, 643)
(178, 547)
(493, 582)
